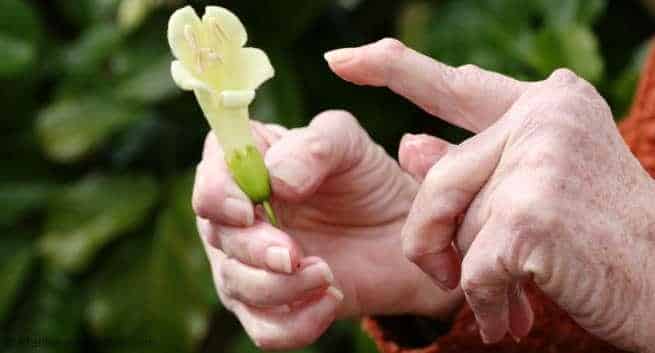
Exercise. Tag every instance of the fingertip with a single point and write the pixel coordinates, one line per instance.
(290, 181)
(339, 56)
(407, 154)
(335, 293)
(442, 267)
(297, 165)
(418, 153)
(371, 64)
(521, 314)
(207, 233)
(217, 198)
(278, 259)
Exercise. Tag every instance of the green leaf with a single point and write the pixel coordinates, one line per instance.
(152, 84)
(574, 47)
(16, 258)
(88, 215)
(562, 13)
(17, 55)
(87, 12)
(132, 13)
(160, 290)
(280, 100)
(19, 33)
(87, 55)
(259, 17)
(18, 198)
(49, 321)
(522, 39)
(623, 88)
(70, 129)
(413, 24)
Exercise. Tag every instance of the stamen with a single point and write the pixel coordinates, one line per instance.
(211, 54)
(219, 31)
(190, 36)
(214, 56)
(193, 43)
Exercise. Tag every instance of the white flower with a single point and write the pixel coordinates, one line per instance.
(212, 61)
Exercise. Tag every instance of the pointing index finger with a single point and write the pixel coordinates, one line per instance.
(466, 96)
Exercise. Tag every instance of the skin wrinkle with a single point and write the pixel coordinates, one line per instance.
(555, 150)
(320, 229)
(562, 184)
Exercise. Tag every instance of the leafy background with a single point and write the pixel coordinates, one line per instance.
(98, 249)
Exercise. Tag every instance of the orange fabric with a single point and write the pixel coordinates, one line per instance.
(638, 128)
(554, 331)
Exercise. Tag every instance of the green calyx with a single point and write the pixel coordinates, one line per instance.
(249, 171)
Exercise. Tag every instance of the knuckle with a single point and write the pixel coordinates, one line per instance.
(462, 78)
(228, 278)
(469, 70)
(337, 135)
(563, 76)
(337, 117)
(390, 47)
(530, 223)
(529, 215)
(410, 251)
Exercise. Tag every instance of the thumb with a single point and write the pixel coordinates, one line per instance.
(300, 161)
(418, 153)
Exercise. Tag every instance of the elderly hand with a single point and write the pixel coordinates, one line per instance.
(341, 202)
(546, 191)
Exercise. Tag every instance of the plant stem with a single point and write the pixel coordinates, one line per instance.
(270, 213)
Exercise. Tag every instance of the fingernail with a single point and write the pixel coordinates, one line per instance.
(437, 267)
(412, 151)
(335, 292)
(441, 277)
(339, 56)
(278, 259)
(238, 210)
(291, 172)
(323, 271)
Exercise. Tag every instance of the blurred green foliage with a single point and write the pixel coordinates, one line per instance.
(99, 251)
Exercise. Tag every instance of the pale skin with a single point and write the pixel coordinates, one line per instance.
(545, 191)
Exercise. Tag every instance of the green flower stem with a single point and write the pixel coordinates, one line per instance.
(270, 213)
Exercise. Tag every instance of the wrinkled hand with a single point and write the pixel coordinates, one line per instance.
(546, 191)
(341, 202)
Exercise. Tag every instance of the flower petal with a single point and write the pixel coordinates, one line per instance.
(184, 78)
(254, 68)
(177, 38)
(237, 99)
(229, 24)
